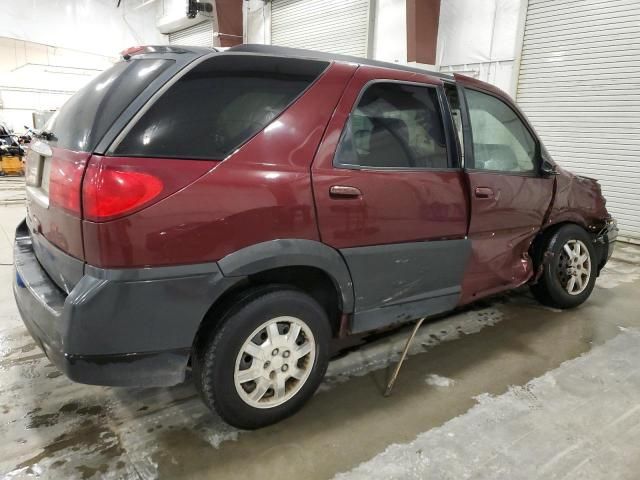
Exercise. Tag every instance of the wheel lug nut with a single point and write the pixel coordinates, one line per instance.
(275, 352)
(285, 368)
(286, 354)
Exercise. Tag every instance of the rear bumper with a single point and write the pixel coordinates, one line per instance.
(130, 327)
(134, 369)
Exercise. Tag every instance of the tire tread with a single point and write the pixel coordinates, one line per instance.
(207, 350)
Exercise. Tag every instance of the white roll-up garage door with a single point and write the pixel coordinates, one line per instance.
(200, 35)
(337, 26)
(579, 84)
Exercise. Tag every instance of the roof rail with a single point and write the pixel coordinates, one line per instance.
(316, 55)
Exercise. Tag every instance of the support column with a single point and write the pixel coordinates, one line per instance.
(229, 22)
(423, 17)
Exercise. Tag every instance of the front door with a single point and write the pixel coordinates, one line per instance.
(390, 196)
(509, 197)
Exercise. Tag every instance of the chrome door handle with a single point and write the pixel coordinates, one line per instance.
(344, 191)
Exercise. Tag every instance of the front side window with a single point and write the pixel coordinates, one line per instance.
(501, 142)
(219, 105)
(394, 125)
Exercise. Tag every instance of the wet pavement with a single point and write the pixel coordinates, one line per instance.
(53, 428)
(580, 421)
(12, 190)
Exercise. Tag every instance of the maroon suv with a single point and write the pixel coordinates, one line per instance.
(236, 211)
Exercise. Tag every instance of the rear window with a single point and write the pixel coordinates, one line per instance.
(219, 105)
(84, 119)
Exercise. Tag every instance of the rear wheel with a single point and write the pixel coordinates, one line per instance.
(570, 274)
(265, 359)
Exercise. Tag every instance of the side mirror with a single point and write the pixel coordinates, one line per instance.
(548, 169)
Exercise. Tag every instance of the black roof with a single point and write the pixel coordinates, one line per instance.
(315, 55)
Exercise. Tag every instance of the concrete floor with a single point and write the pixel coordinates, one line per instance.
(507, 389)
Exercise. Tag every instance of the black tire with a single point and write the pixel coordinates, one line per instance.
(549, 290)
(216, 353)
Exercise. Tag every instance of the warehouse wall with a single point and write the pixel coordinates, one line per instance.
(482, 39)
(51, 48)
(390, 31)
(389, 35)
(94, 26)
(257, 22)
(36, 77)
(579, 87)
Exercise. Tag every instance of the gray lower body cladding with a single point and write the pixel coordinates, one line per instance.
(131, 327)
(135, 327)
(401, 282)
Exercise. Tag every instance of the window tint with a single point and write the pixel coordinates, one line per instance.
(219, 105)
(86, 116)
(395, 125)
(500, 140)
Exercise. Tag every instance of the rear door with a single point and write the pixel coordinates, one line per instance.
(390, 196)
(509, 196)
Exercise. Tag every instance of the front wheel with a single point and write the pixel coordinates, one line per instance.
(570, 274)
(265, 359)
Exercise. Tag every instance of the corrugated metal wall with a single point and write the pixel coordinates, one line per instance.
(337, 26)
(200, 35)
(579, 83)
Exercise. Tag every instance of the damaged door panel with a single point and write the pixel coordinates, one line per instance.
(402, 232)
(509, 194)
(501, 231)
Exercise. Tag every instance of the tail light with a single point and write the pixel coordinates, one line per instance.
(109, 192)
(65, 178)
(116, 187)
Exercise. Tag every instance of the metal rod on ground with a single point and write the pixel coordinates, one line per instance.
(393, 378)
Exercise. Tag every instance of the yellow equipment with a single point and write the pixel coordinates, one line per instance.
(11, 165)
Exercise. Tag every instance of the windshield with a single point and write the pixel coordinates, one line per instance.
(82, 121)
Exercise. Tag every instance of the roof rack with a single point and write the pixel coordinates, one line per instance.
(313, 54)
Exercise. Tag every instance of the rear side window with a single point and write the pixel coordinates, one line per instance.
(219, 105)
(84, 119)
(394, 125)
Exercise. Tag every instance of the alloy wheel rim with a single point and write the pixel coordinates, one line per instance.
(574, 270)
(274, 362)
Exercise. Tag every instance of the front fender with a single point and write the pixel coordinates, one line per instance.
(577, 200)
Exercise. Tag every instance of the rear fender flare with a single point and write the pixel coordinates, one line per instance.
(292, 253)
